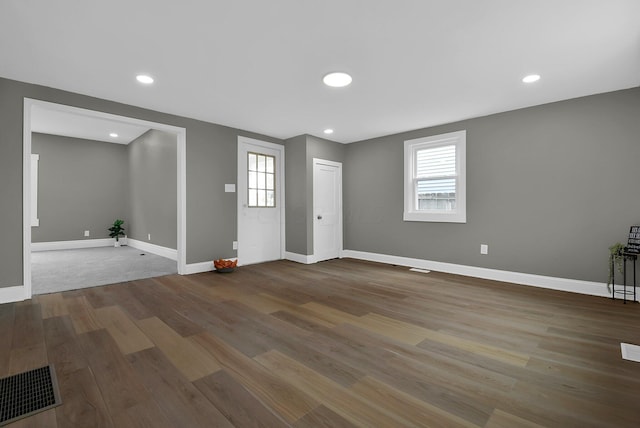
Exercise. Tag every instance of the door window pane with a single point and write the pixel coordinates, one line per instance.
(261, 180)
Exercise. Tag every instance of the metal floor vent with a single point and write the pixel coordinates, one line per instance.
(28, 393)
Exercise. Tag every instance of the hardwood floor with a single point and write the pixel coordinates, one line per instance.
(341, 343)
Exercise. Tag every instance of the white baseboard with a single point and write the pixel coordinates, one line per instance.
(169, 253)
(71, 245)
(192, 268)
(299, 258)
(563, 284)
(13, 294)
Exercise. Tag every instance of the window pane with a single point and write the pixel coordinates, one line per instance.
(253, 180)
(436, 162)
(261, 180)
(253, 197)
(436, 194)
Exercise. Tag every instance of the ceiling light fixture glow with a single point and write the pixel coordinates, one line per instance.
(531, 78)
(113, 135)
(337, 79)
(328, 131)
(144, 78)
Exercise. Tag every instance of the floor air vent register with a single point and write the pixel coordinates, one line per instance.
(28, 393)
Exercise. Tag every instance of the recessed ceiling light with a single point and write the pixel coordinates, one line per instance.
(328, 131)
(337, 79)
(113, 135)
(531, 78)
(144, 78)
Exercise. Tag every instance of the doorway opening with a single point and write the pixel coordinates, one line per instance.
(177, 141)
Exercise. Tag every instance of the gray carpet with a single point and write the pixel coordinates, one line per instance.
(62, 270)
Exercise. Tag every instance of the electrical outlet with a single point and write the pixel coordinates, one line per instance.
(484, 249)
(235, 245)
(86, 233)
(148, 237)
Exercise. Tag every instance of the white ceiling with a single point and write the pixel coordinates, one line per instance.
(85, 126)
(258, 65)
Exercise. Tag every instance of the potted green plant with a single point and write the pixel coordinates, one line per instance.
(615, 261)
(116, 231)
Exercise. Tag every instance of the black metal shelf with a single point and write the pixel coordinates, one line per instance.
(626, 257)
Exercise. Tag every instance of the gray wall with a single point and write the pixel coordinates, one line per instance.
(300, 152)
(296, 194)
(152, 189)
(81, 186)
(549, 188)
(211, 162)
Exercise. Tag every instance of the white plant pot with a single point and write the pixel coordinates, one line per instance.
(116, 244)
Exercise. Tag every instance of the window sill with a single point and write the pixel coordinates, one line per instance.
(435, 217)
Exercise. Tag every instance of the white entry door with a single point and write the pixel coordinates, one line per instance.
(327, 209)
(260, 201)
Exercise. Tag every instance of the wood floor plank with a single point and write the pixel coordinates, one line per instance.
(177, 398)
(413, 335)
(123, 330)
(82, 402)
(417, 412)
(191, 360)
(354, 408)
(238, 405)
(545, 406)
(27, 325)
(128, 302)
(52, 305)
(329, 314)
(83, 405)
(127, 400)
(27, 358)
(62, 347)
(166, 305)
(82, 315)
(288, 401)
(119, 384)
(266, 303)
(501, 419)
(323, 417)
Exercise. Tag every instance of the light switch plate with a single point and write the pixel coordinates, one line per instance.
(230, 188)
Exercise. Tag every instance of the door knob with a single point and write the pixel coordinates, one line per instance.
(319, 217)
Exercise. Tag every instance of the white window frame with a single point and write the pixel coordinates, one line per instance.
(411, 213)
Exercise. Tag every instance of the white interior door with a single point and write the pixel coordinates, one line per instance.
(260, 201)
(327, 209)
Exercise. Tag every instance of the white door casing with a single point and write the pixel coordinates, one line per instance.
(24, 291)
(327, 210)
(260, 229)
